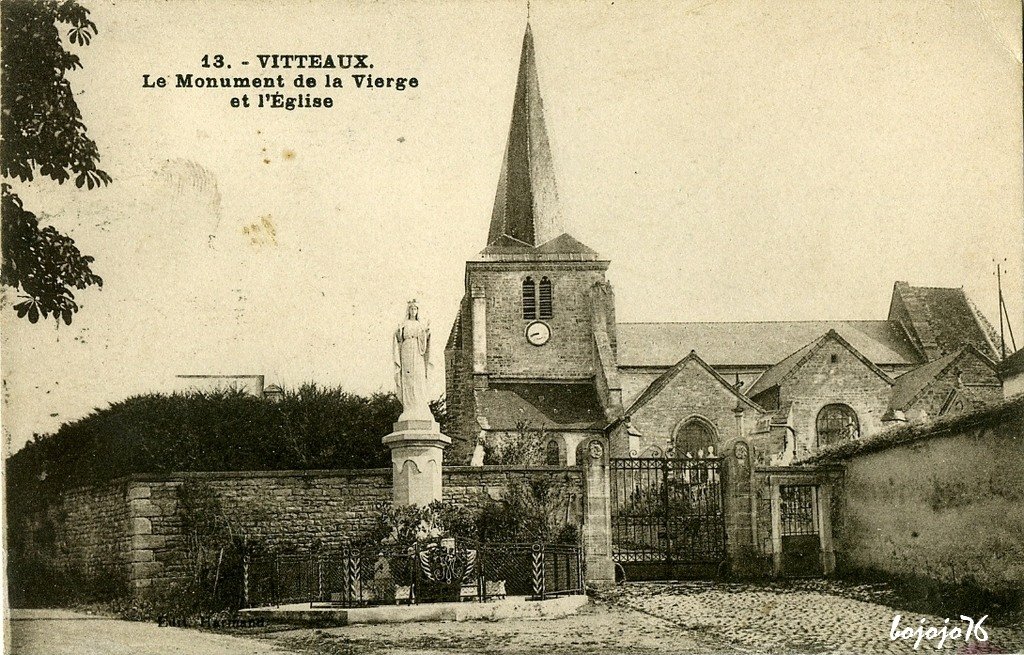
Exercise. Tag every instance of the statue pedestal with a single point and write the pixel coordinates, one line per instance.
(416, 448)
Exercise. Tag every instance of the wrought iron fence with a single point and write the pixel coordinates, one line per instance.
(438, 571)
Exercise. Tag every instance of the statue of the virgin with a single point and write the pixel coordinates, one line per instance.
(411, 349)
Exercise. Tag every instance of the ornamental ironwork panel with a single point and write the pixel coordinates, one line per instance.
(441, 570)
(797, 509)
(667, 510)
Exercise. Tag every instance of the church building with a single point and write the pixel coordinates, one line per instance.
(536, 346)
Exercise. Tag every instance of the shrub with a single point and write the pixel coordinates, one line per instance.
(532, 510)
(312, 427)
(522, 447)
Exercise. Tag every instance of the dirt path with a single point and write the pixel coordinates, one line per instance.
(63, 632)
(597, 629)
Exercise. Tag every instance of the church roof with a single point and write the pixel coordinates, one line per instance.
(778, 373)
(540, 405)
(756, 343)
(526, 211)
(912, 384)
(1012, 365)
(941, 320)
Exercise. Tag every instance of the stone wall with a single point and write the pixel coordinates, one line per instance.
(942, 502)
(975, 380)
(570, 352)
(133, 527)
(288, 511)
(84, 538)
(691, 393)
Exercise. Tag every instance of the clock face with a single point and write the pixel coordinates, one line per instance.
(538, 333)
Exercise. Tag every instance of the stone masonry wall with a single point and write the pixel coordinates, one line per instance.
(820, 382)
(570, 352)
(83, 537)
(981, 387)
(92, 528)
(947, 507)
(692, 393)
(290, 511)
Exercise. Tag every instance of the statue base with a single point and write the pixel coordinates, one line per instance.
(416, 449)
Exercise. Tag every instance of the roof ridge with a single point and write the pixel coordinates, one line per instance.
(915, 286)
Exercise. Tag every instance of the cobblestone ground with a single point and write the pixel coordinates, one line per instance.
(814, 616)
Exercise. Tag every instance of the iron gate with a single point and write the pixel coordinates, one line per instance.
(667, 516)
(801, 543)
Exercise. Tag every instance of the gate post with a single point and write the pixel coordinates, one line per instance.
(597, 523)
(739, 504)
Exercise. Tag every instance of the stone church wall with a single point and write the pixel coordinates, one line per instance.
(819, 382)
(693, 392)
(570, 352)
(982, 387)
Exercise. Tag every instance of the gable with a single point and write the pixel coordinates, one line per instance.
(831, 345)
(966, 374)
(690, 388)
(833, 368)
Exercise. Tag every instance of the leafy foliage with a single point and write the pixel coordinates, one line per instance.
(309, 428)
(41, 130)
(398, 529)
(214, 549)
(523, 447)
(42, 262)
(41, 123)
(532, 510)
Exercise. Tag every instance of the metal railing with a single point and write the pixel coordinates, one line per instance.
(438, 571)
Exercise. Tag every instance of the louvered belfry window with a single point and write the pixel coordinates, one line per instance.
(545, 298)
(529, 298)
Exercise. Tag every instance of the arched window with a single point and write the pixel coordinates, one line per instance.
(836, 422)
(694, 436)
(544, 299)
(529, 298)
(552, 455)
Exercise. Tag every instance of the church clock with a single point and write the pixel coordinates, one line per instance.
(538, 333)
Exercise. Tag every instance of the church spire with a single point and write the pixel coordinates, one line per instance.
(526, 211)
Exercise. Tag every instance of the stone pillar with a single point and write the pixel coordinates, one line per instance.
(416, 450)
(740, 508)
(597, 522)
(142, 554)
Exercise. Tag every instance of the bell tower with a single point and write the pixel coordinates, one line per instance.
(536, 300)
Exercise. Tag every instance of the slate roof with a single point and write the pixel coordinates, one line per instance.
(757, 343)
(564, 246)
(526, 210)
(776, 374)
(1012, 365)
(550, 405)
(944, 319)
(911, 384)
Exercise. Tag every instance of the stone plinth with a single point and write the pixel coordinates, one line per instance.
(416, 449)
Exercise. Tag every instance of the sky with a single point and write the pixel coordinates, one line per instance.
(735, 160)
